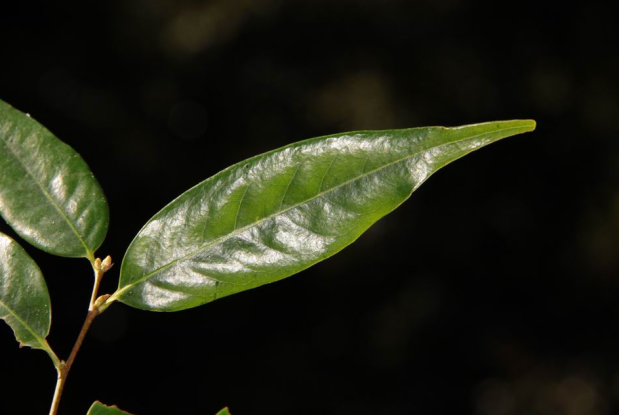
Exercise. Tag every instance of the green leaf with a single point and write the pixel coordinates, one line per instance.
(47, 192)
(276, 214)
(98, 408)
(24, 300)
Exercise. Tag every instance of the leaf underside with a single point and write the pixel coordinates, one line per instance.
(98, 408)
(47, 192)
(276, 214)
(24, 300)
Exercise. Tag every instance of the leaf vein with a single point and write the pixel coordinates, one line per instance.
(245, 192)
(325, 174)
(288, 187)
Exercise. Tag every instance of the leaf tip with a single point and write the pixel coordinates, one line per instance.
(523, 125)
(530, 125)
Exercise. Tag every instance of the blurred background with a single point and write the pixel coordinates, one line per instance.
(491, 292)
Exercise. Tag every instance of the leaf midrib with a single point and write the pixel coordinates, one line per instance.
(49, 197)
(238, 231)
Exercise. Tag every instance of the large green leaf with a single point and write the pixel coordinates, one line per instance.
(98, 408)
(24, 300)
(276, 214)
(47, 192)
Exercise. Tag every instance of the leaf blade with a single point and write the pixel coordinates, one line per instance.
(48, 195)
(97, 408)
(276, 214)
(24, 300)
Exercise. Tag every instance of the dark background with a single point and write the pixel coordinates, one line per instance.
(491, 292)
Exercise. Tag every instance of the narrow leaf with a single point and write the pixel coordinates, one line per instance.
(276, 214)
(24, 300)
(98, 408)
(47, 192)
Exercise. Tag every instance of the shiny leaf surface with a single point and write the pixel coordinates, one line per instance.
(47, 192)
(276, 214)
(100, 409)
(24, 300)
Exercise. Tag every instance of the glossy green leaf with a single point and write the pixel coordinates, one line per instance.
(47, 192)
(276, 214)
(24, 300)
(224, 411)
(98, 408)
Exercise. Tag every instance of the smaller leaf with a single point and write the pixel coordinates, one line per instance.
(24, 300)
(100, 409)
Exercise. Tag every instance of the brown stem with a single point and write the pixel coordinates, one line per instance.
(57, 392)
(65, 367)
(93, 312)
